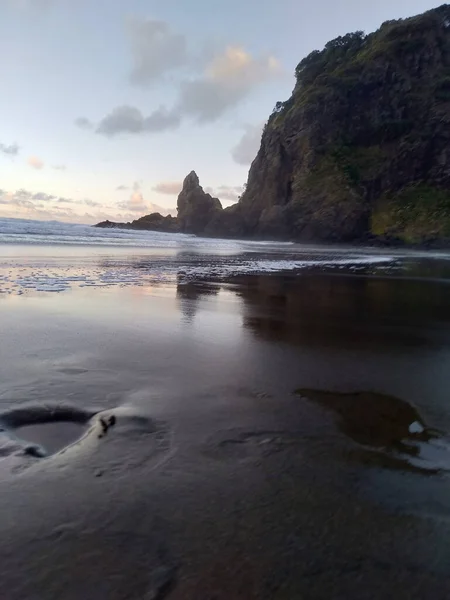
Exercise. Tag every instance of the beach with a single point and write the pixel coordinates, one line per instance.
(279, 413)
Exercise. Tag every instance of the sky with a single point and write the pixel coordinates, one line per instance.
(107, 105)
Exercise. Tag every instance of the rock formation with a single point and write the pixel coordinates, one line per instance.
(361, 149)
(196, 208)
(153, 222)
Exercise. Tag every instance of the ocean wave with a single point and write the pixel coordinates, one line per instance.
(50, 233)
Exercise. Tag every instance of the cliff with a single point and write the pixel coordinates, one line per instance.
(361, 149)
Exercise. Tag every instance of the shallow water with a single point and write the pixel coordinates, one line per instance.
(51, 436)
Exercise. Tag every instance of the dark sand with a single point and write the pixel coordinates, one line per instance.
(232, 472)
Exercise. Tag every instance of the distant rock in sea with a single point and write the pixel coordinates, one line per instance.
(153, 222)
(198, 213)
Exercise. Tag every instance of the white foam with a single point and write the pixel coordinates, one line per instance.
(57, 276)
(416, 427)
(432, 455)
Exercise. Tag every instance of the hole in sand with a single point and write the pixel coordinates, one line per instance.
(53, 437)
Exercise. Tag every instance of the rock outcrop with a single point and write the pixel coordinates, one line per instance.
(196, 208)
(153, 222)
(361, 149)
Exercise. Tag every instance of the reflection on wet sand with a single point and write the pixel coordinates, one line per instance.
(385, 423)
(319, 309)
(373, 419)
(189, 295)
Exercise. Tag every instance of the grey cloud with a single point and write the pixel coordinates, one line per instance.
(21, 198)
(226, 81)
(42, 196)
(91, 203)
(171, 188)
(121, 188)
(205, 100)
(9, 150)
(60, 167)
(156, 50)
(23, 194)
(129, 119)
(33, 205)
(246, 149)
(84, 123)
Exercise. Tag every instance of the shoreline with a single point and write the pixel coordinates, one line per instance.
(368, 241)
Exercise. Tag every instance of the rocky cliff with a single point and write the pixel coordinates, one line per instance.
(362, 148)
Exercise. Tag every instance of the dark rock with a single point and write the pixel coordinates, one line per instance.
(110, 225)
(226, 223)
(152, 222)
(156, 222)
(196, 208)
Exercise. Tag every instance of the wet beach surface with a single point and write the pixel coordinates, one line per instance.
(273, 436)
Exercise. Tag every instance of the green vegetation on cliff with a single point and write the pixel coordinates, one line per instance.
(362, 147)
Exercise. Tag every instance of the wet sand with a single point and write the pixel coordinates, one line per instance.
(274, 437)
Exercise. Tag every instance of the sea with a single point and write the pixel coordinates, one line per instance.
(50, 256)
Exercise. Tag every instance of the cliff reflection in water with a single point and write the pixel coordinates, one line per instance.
(190, 295)
(318, 309)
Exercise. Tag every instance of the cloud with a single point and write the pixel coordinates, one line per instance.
(60, 167)
(121, 188)
(35, 162)
(28, 204)
(42, 196)
(91, 203)
(41, 206)
(128, 119)
(84, 123)
(9, 150)
(227, 193)
(227, 80)
(156, 50)
(21, 196)
(171, 188)
(136, 202)
(246, 149)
